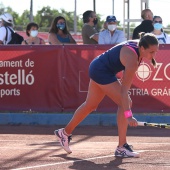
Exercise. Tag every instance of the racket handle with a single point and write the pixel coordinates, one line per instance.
(141, 123)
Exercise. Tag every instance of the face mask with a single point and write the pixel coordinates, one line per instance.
(157, 26)
(34, 33)
(112, 27)
(95, 21)
(61, 26)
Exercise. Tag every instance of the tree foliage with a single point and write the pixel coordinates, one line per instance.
(44, 18)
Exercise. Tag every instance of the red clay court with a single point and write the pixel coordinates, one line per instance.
(35, 147)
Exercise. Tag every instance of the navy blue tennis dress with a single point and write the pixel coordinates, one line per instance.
(103, 69)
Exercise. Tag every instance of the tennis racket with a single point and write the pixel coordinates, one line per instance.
(158, 125)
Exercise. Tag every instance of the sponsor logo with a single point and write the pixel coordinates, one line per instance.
(144, 72)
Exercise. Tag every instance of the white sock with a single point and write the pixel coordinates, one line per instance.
(65, 132)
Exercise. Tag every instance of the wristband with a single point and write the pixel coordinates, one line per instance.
(128, 114)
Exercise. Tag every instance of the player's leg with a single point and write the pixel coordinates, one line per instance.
(113, 91)
(94, 97)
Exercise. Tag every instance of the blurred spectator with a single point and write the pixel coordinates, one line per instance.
(162, 37)
(32, 33)
(6, 25)
(89, 32)
(59, 33)
(0, 22)
(104, 27)
(111, 35)
(146, 25)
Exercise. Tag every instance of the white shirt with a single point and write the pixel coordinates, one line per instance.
(163, 38)
(106, 38)
(3, 35)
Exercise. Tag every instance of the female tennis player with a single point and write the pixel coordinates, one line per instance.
(102, 71)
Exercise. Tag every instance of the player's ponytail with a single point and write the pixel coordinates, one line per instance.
(153, 61)
(147, 39)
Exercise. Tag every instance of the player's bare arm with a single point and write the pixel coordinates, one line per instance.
(130, 60)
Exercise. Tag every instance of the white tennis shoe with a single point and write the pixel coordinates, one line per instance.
(126, 151)
(63, 139)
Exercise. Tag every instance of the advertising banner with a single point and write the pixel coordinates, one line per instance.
(54, 78)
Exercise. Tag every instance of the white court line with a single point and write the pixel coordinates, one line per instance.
(58, 163)
(79, 143)
(67, 162)
(18, 148)
(75, 142)
(152, 151)
(97, 149)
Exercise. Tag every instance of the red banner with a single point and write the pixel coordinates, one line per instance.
(52, 78)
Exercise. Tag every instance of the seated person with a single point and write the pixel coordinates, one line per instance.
(32, 32)
(146, 25)
(111, 35)
(6, 23)
(59, 33)
(0, 22)
(89, 31)
(162, 37)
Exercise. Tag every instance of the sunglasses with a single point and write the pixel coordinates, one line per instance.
(61, 23)
(158, 22)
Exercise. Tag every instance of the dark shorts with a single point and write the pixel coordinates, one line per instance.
(100, 73)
